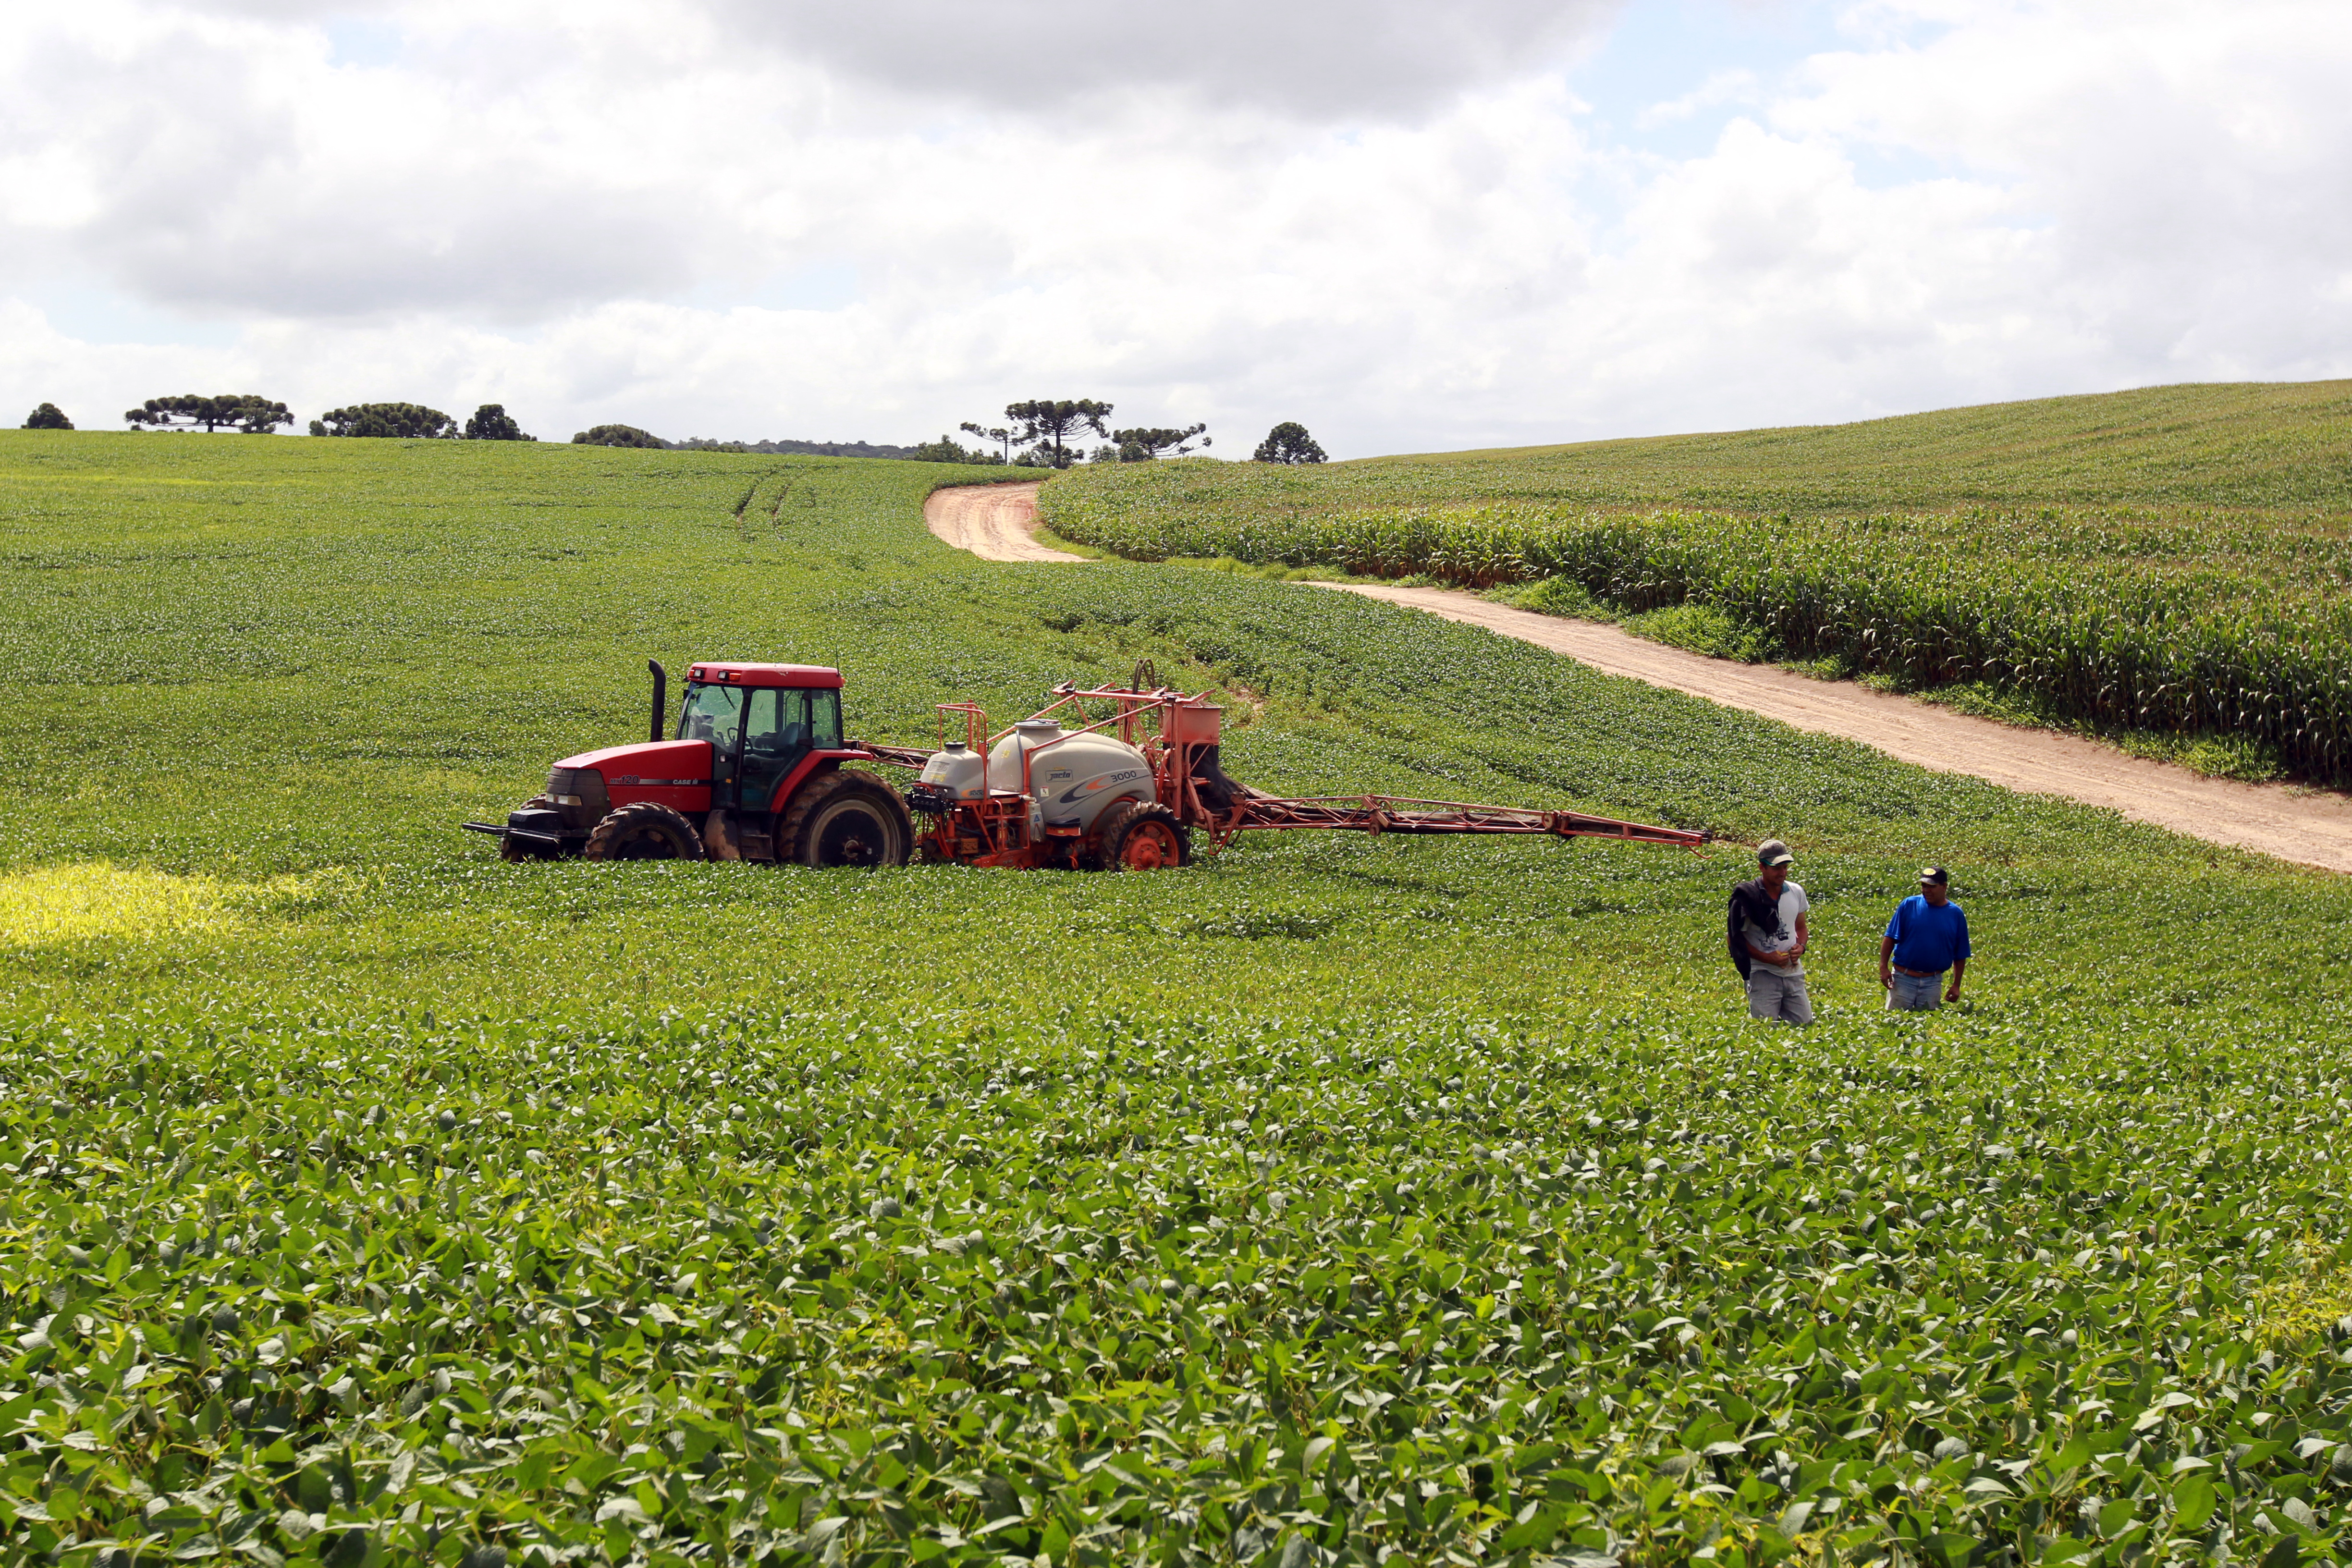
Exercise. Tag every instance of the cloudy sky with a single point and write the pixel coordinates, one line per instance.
(1412, 227)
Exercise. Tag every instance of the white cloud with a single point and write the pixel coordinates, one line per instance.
(2182, 165)
(1404, 233)
(1736, 86)
(1315, 60)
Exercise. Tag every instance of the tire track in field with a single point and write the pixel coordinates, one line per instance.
(2308, 827)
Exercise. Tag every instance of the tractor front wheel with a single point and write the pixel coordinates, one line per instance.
(644, 830)
(1139, 837)
(846, 818)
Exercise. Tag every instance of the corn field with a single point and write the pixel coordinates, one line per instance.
(2230, 626)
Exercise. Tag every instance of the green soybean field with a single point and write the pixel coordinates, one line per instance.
(2164, 563)
(1334, 1200)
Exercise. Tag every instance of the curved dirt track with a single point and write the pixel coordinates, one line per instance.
(992, 522)
(2313, 829)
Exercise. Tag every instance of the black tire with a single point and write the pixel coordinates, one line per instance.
(1108, 827)
(846, 817)
(645, 830)
(1139, 838)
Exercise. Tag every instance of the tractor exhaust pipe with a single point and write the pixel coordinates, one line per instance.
(661, 695)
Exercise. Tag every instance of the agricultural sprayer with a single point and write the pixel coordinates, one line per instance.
(1113, 778)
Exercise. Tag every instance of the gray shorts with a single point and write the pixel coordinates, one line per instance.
(1915, 993)
(1774, 994)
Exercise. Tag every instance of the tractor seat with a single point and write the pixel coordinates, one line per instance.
(780, 743)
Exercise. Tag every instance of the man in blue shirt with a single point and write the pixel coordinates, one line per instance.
(1928, 936)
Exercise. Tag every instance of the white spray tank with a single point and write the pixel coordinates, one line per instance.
(957, 771)
(1074, 778)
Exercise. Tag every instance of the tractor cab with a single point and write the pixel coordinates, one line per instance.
(760, 722)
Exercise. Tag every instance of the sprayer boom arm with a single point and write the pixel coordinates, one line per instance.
(1392, 813)
(903, 756)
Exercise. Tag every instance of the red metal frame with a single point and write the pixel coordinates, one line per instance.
(995, 830)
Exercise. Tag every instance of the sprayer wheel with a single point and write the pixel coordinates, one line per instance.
(644, 830)
(1108, 829)
(1139, 837)
(846, 817)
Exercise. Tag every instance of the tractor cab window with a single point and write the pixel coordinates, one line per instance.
(778, 725)
(825, 719)
(712, 713)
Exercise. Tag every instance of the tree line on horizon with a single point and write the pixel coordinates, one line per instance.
(253, 415)
(414, 421)
(1047, 431)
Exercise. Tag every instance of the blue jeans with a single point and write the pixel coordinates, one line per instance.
(1914, 994)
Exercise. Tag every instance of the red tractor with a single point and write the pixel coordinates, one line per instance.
(753, 771)
(1111, 778)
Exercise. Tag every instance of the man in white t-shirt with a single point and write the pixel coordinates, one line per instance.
(1776, 971)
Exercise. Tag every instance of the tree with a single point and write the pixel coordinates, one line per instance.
(947, 450)
(616, 435)
(1046, 426)
(48, 417)
(407, 421)
(492, 423)
(252, 414)
(997, 433)
(1287, 442)
(1144, 445)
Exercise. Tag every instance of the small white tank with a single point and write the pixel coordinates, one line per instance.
(956, 770)
(1073, 779)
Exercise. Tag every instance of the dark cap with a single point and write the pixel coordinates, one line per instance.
(1772, 852)
(1935, 874)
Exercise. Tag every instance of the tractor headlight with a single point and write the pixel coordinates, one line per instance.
(579, 794)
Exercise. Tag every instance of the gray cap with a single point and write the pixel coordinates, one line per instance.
(1772, 852)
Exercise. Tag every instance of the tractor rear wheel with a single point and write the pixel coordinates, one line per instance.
(846, 817)
(644, 830)
(1139, 838)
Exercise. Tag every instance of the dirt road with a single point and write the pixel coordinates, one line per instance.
(2310, 829)
(2315, 829)
(992, 522)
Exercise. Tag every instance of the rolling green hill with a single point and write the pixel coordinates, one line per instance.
(2270, 445)
(370, 1199)
(2169, 567)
